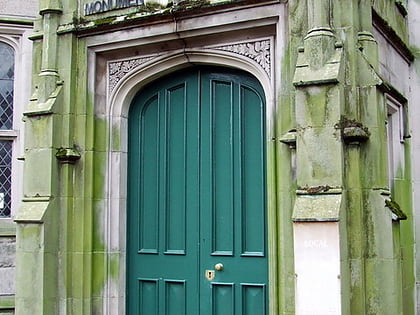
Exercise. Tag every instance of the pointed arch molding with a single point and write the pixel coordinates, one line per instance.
(259, 51)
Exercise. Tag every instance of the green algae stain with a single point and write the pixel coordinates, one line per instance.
(99, 255)
(152, 6)
(116, 138)
(104, 265)
(415, 51)
(114, 266)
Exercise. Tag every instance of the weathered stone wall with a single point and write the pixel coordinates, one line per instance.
(7, 265)
(15, 26)
(414, 116)
(398, 42)
(19, 8)
(7, 273)
(395, 62)
(66, 239)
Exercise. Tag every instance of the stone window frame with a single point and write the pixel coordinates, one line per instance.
(395, 135)
(16, 37)
(8, 134)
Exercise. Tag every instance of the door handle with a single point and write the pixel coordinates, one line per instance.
(219, 267)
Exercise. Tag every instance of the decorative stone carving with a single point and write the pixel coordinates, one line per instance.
(258, 51)
(118, 69)
(67, 155)
(353, 132)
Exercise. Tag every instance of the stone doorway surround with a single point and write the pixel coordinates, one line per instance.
(250, 38)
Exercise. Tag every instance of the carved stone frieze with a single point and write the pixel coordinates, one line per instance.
(259, 51)
(118, 69)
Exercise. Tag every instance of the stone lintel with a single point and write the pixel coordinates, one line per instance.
(7, 228)
(317, 207)
(7, 302)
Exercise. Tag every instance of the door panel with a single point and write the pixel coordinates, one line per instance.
(233, 222)
(196, 196)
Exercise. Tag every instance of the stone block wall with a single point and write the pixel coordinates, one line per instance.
(18, 8)
(7, 265)
(7, 269)
(16, 24)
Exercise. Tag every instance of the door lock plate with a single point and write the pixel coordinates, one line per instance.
(210, 275)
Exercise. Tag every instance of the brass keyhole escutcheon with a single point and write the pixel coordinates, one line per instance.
(210, 275)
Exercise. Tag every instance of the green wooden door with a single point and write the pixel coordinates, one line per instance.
(196, 196)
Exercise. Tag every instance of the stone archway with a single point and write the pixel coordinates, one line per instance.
(118, 104)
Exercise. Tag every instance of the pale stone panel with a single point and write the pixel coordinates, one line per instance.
(393, 67)
(7, 265)
(317, 267)
(19, 8)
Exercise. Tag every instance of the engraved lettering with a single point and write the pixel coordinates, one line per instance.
(315, 244)
(100, 6)
(89, 8)
(122, 3)
(106, 5)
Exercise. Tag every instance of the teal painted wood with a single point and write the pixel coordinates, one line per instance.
(196, 196)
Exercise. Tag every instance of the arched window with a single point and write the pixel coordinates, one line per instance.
(7, 74)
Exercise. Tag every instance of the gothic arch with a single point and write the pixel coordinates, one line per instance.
(118, 103)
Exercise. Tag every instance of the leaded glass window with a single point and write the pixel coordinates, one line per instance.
(5, 177)
(7, 73)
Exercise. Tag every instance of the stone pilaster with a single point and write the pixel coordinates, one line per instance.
(316, 213)
(37, 219)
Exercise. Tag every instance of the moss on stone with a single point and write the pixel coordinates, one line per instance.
(396, 209)
(67, 155)
(353, 130)
(315, 189)
(190, 4)
(153, 6)
(79, 20)
(106, 20)
(415, 51)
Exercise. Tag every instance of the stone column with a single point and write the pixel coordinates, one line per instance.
(37, 230)
(316, 214)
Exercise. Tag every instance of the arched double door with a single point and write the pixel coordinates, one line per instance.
(197, 230)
